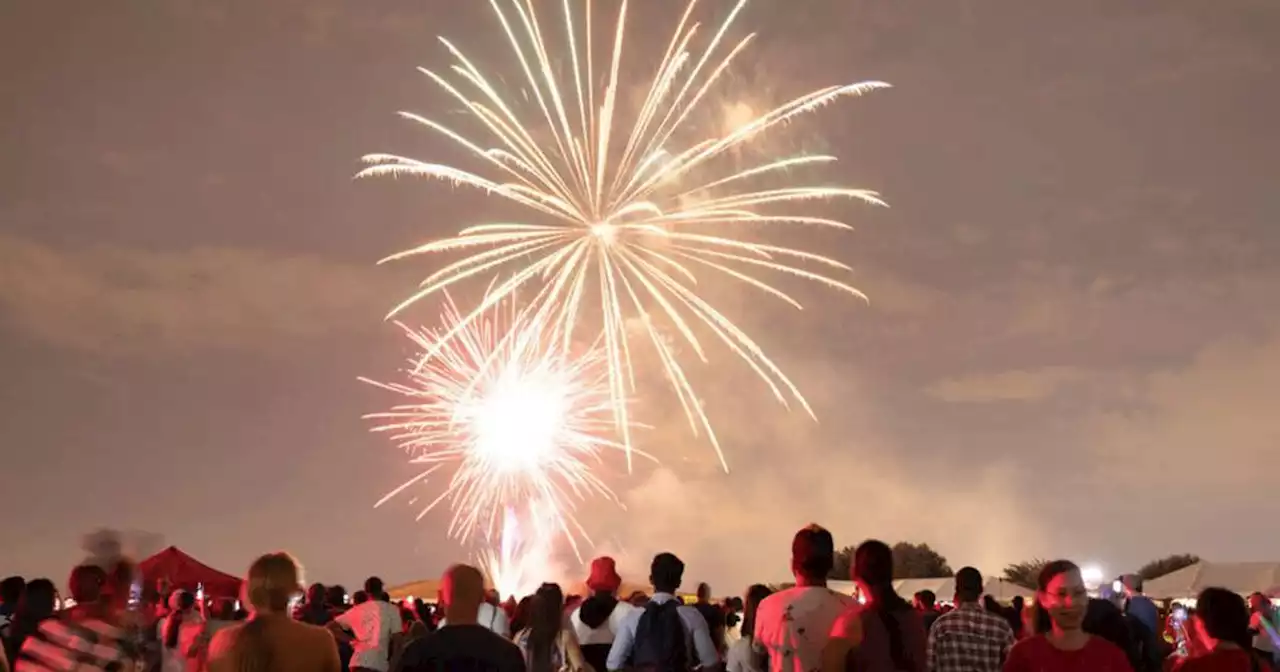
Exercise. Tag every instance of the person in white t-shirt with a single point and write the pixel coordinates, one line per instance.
(491, 616)
(375, 627)
(792, 625)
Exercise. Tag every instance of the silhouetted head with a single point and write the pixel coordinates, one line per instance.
(273, 580)
(1222, 616)
(968, 585)
(813, 554)
(873, 565)
(666, 572)
(462, 593)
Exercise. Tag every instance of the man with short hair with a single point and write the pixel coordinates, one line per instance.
(1138, 605)
(491, 615)
(927, 605)
(376, 629)
(649, 632)
(792, 626)
(969, 638)
(463, 644)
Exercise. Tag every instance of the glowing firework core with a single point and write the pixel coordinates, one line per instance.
(606, 233)
(518, 423)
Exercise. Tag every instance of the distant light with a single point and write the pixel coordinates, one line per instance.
(1092, 575)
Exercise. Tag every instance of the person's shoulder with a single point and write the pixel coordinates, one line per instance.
(776, 601)
(224, 639)
(311, 631)
(848, 624)
(845, 601)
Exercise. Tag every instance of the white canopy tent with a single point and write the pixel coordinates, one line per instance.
(1240, 577)
(943, 587)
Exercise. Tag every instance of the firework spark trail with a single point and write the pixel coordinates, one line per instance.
(519, 417)
(523, 558)
(607, 219)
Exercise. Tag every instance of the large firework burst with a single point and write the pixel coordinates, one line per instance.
(626, 208)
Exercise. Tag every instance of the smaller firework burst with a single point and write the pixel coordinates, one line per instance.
(508, 414)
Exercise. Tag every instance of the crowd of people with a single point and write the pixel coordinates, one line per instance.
(806, 627)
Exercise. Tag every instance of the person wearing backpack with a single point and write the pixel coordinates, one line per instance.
(665, 635)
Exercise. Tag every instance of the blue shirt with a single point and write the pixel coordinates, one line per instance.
(694, 626)
(1142, 608)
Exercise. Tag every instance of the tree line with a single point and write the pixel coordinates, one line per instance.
(921, 561)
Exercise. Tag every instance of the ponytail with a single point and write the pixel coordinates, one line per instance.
(887, 603)
(252, 650)
(172, 625)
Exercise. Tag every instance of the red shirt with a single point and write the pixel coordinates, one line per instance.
(1224, 660)
(1036, 654)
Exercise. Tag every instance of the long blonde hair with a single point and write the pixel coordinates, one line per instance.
(273, 580)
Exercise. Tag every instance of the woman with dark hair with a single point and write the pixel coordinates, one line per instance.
(893, 634)
(883, 633)
(1061, 644)
(1221, 628)
(520, 620)
(741, 658)
(545, 642)
(36, 604)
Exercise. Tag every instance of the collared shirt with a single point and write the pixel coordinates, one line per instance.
(694, 626)
(969, 639)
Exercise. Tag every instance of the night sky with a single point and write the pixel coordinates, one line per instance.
(1072, 346)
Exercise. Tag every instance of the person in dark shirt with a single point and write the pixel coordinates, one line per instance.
(463, 645)
(713, 615)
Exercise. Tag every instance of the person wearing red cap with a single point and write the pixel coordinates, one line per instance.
(597, 619)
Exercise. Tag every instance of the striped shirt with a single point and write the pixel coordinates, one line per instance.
(66, 645)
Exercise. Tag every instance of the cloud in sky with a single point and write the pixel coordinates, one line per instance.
(1206, 426)
(113, 300)
(1018, 385)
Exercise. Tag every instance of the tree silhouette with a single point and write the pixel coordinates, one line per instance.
(842, 570)
(1167, 565)
(918, 561)
(910, 561)
(1025, 574)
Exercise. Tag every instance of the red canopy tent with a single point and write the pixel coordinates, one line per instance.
(180, 570)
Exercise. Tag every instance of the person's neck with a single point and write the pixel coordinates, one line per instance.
(1067, 640)
(266, 613)
(460, 616)
(665, 591)
(808, 582)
